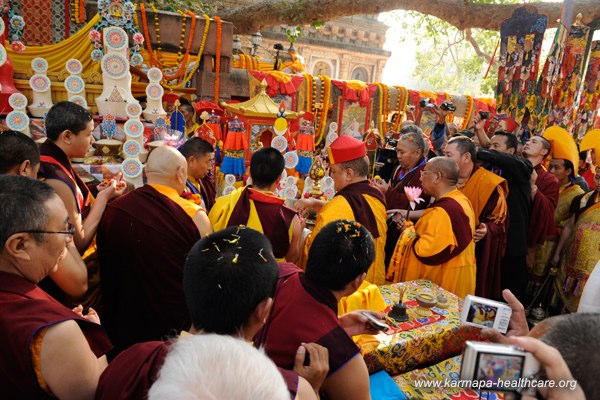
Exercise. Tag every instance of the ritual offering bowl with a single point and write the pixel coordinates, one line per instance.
(108, 147)
(426, 300)
(442, 301)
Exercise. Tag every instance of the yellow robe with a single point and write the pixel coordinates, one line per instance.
(338, 208)
(562, 214)
(221, 212)
(190, 208)
(433, 234)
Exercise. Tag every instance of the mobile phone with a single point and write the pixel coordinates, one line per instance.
(485, 313)
(375, 323)
(501, 117)
(499, 367)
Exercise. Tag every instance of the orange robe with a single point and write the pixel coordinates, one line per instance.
(487, 193)
(435, 234)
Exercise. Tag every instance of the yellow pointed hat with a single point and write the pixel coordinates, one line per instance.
(563, 145)
(591, 140)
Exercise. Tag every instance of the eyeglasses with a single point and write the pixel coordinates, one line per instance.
(70, 231)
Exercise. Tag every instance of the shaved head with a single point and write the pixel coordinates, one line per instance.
(167, 166)
(446, 167)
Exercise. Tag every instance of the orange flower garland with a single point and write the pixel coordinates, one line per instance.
(218, 57)
(326, 92)
(383, 105)
(401, 106)
(309, 98)
(467, 117)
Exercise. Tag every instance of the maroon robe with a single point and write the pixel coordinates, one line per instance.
(274, 217)
(361, 209)
(489, 252)
(131, 374)
(304, 313)
(208, 192)
(541, 221)
(143, 240)
(24, 310)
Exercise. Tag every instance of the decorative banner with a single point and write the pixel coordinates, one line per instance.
(567, 88)
(590, 93)
(520, 46)
(550, 76)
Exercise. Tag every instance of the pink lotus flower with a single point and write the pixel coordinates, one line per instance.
(17, 47)
(413, 193)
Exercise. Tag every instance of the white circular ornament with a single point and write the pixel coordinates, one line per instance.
(39, 83)
(17, 101)
(133, 128)
(74, 66)
(79, 100)
(131, 148)
(291, 192)
(3, 55)
(133, 110)
(154, 91)
(155, 75)
(331, 136)
(114, 65)
(333, 127)
(131, 168)
(228, 190)
(115, 38)
(74, 84)
(291, 180)
(327, 181)
(329, 193)
(229, 179)
(280, 143)
(2, 27)
(291, 159)
(17, 121)
(39, 65)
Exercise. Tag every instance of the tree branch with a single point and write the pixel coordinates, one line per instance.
(471, 39)
(459, 13)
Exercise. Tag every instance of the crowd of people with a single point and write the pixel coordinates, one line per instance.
(111, 292)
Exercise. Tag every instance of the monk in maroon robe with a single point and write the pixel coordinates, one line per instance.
(143, 240)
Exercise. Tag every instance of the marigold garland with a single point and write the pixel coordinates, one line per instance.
(218, 57)
(401, 106)
(309, 94)
(192, 71)
(383, 97)
(467, 117)
(326, 92)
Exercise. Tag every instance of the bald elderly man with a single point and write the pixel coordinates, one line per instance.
(143, 240)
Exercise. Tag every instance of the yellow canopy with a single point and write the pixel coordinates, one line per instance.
(260, 105)
(563, 145)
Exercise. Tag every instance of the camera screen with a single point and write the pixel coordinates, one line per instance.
(494, 368)
(482, 314)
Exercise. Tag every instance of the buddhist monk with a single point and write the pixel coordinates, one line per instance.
(200, 157)
(355, 199)
(257, 207)
(487, 193)
(49, 350)
(143, 240)
(443, 249)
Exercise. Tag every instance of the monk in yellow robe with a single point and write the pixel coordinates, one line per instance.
(487, 193)
(257, 207)
(564, 171)
(440, 246)
(356, 199)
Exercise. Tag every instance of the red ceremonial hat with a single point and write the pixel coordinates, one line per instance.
(346, 148)
(170, 97)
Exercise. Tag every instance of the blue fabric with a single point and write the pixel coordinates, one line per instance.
(383, 387)
(235, 166)
(304, 164)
